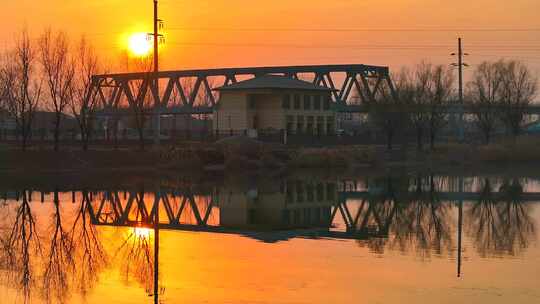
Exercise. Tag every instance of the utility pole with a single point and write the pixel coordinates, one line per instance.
(460, 68)
(156, 247)
(460, 64)
(460, 227)
(156, 63)
(157, 99)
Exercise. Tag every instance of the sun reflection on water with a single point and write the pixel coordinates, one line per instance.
(141, 233)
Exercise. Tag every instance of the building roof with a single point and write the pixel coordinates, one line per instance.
(273, 82)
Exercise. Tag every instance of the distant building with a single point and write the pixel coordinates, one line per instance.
(43, 124)
(274, 102)
(7, 124)
(6, 120)
(533, 128)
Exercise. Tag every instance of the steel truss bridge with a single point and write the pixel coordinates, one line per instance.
(180, 91)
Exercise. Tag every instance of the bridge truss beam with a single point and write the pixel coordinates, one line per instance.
(182, 91)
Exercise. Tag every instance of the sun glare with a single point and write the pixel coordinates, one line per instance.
(140, 232)
(139, 45)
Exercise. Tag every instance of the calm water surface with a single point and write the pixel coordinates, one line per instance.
(399, 239)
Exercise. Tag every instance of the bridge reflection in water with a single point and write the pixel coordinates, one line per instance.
(297, 209)
(422, 214)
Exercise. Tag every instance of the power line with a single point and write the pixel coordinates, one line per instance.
(226, 29)
(361, 46)
(509, 56)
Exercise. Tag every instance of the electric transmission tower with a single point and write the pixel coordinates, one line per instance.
(460, 64)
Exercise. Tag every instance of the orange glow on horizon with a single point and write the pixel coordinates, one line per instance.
(270, 33)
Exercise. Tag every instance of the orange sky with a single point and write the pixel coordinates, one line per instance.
(219, 33)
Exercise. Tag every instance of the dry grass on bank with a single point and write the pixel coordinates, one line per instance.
(248, 155)
(337, 157)
(522, 149)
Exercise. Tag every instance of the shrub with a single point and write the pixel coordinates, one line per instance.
(241, 163)
(526, 148)
(239, 145)
(322, 158)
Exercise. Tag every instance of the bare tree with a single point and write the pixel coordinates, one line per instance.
(5, 86)
(484, 95)
(419, 99)
(519, 89)
(430, 90)
(59, 71)
(83, 99)
(21, 85)
(388, 110)
(439, 96)
(142, 101)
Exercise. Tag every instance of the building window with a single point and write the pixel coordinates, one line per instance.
(251, 102)
(307, 102)
(320, 192)
(320, 125)
(286, 101)
(330, 125)
(330, 191)
(290, 124)
(255, 122)
(286, 215)
(310, 189)
(290, 194)
(296, 102)
(300, 124)
(317, 102)
(299, 192)
(326, 105)
(309, 126)
(296, 215)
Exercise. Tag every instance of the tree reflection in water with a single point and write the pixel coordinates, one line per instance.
(71, 256)
(59, 261)
(88, 251)
(500, 224)
(424, 223)
(21, 246)
(414, 221)
(409, 215)
(136, 257)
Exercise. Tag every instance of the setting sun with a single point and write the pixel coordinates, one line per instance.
(139, 45)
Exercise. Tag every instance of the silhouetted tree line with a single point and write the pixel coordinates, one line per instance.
(498, 94)
(52, 74)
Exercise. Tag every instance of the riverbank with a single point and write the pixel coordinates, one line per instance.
(240, 156)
